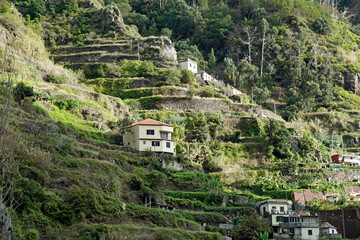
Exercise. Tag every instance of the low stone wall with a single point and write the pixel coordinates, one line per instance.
(195, 104)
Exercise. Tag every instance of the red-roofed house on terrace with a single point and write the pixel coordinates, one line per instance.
(150, 135)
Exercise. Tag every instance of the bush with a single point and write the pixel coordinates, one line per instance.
(32, 234)
(67, 104)
(321, 25)
(187, 77)
(21, 91)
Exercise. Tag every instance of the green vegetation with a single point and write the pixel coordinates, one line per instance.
(60, 128)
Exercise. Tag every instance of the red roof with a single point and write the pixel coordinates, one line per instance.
(150, 121)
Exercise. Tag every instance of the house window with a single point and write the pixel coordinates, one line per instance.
(168, 144)
(155, 143)
(144, 142)
(282, 209)
(190, 64)
(310, 232)
(150, 132)
(273, 208)
(279, 218)
(128, 143)
(164, 135)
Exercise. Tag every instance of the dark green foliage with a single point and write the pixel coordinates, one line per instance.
(187, 77)
(249, 227)
(279, 138)
(67, 104)
(21, 91)
(68, 5)
(321, 25)
(32, 234)
(35, 8)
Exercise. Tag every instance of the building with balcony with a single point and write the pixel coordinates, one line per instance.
(298, 225)
(150, 135)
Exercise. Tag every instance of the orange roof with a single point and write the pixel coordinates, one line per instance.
(150, 121)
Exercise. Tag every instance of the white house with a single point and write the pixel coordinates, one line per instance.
(150, 135)
(328, 229)
(189, 65)
(234, 91)
(203, 76)
(274, 206)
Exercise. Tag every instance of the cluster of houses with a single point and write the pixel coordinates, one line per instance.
(191, 65)
(289, 224)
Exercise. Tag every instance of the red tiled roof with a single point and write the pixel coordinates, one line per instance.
(150, 121)
(352, 189)
(301, 213)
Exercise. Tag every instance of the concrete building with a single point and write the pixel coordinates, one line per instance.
(298, 225)
(328, 231)
(203, 76)
(188, 65)
(270, 206)
(150, 135)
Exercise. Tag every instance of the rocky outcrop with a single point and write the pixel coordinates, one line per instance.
(111, 18)
(352, 82)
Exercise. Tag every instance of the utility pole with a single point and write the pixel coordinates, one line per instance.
(138, 52)
(252, 95)
(274, 108)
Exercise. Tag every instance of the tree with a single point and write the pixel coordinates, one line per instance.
(250, 37)
(250, 227)
(211, 59)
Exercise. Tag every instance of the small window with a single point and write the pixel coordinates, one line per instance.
(279, 218)
(144, 142)
(310, 232)
(168, 144)
(128, 143)
(273, 208)
(150, 132)
(155, 143)
(282, 209)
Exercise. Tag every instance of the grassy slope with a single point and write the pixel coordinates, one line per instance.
(74, 181)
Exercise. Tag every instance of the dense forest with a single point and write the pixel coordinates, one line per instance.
(74, 74)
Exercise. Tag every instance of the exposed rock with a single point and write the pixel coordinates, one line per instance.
(195, 104)
(352, 82)
(111, 18)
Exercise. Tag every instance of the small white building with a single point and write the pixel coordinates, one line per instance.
(188, 65)
(328, 229)
(150, 135)
(234, 91)
(203, 76)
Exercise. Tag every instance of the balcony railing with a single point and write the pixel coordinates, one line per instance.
(299, 224)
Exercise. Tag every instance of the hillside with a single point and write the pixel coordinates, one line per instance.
(74, 74)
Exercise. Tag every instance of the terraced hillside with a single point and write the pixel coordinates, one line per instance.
(98, 51)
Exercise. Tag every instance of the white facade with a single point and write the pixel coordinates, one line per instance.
(203, 76)
(150, 135)
(274, 206)
(188, 65)
(298, 227)
(234, 91)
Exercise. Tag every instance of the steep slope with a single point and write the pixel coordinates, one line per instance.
(75, 180)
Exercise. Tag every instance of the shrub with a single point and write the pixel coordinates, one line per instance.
(321, 25)
(187, 77)
(21, 91)
(32, 234)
